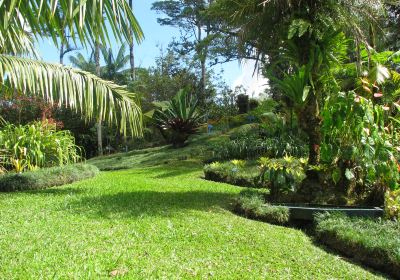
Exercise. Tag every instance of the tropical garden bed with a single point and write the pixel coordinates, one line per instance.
(325, 132)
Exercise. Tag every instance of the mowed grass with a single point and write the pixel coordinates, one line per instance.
(161, 221)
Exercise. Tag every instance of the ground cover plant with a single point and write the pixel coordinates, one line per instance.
(252, 204)
(376, 243)
(121, 223)
(46, 177)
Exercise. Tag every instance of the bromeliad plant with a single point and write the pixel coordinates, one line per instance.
(28, 147)
(284, 174)
(178, 118)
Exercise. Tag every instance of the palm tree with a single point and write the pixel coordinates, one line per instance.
(111, 71)
(114, 65)
(131, 50)
(79, 61)
(25, 22)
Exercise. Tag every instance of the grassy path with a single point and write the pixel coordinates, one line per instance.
(152, 223)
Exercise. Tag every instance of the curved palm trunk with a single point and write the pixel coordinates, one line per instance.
(62, 53)
(99, 121)
(131, 50)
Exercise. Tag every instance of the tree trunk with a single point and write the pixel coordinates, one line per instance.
(99, 137)
(202, 59)
(310, 122)
(203, 78)
(131, 49)
(62, 53)
(99, 120)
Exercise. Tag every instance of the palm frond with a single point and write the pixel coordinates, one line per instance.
(77, 89)
(86, 20)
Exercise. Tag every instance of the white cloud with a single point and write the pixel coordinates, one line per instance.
(253, 82)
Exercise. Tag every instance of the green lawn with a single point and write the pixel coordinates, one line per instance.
(154, 222)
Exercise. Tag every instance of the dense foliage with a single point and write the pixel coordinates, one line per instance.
(36, 145)
(358, 142)
(235, 172)
(253, 147)
(284, 175)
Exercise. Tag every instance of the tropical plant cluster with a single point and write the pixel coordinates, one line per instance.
(282, 177)
(36, 145)
(283, 174)
(255, 146)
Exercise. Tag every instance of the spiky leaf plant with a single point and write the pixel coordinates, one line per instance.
(178, 118)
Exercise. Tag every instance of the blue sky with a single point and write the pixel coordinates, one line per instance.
(155, 36)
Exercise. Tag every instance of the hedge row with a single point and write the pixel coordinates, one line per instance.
(251, 204)
(372, 242)
(46, 178)
(238, 180)
(226, 172)
(375, 243)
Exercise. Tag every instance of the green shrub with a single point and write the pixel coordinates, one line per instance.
(253, 147)
(253, 104)
(284, 175)
(234, 121)
(46, 177)
(36, 145)
(251, 203)
(375, 243)
(235, 172)
(246, 130)
(358, 142)
(392, 205)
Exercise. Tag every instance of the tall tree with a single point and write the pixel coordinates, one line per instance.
(131, 49)
(99, 119)
(302, 38)
(113, 70)
(163, 81)
(189, 16)
(26, 22)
